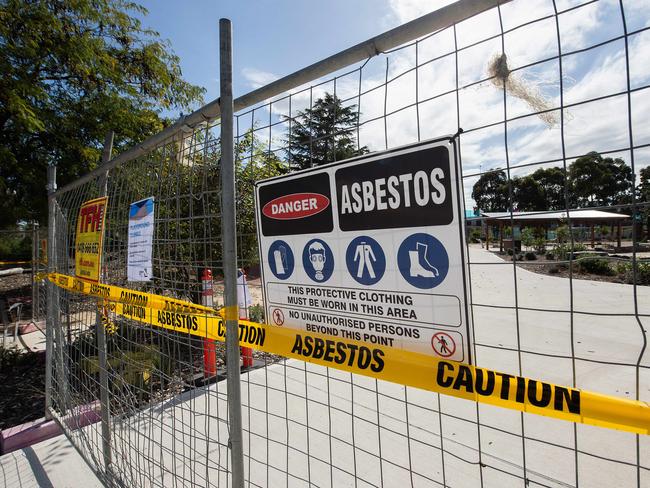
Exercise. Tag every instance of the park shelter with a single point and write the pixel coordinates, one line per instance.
(545, 219)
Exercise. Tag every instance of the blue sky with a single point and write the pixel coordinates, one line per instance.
(269, 36)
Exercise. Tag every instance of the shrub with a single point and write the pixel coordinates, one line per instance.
(527, 237)
(530, 256)
(596, 266)
(550, 256)
(256, 313)
(554, 270)
(475, 236)
(540, 244)
(510, 252)
(642, 272)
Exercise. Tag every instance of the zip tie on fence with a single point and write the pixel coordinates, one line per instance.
(383, 363)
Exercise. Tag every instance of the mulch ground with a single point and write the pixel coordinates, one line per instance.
(22, 387)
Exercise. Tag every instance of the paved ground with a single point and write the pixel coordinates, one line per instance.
(357, 414)
(50, 464)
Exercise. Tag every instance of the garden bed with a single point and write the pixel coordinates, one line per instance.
(585, 265)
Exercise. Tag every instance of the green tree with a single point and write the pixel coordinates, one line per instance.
(552, 181)
(253, 162)
(323, 134)
(527, 237)
(596, 181)
(528, 194)
(71, 71)
(644, 185)
(490, 192)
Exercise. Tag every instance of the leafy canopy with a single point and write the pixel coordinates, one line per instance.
(323, 134)
(592, 181)
(70, 71)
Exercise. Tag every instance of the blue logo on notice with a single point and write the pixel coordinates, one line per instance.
(423, 261)
(365, 260)
(318, 260)
(281, 260)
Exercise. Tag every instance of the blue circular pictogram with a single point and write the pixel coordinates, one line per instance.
(423, 261)
(281, 260)
(318, 260)
(365, 260)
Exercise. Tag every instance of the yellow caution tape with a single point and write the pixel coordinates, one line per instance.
(2, 263)
(127, 296)
(394, 365)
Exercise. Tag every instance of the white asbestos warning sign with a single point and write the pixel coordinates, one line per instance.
(370, 249)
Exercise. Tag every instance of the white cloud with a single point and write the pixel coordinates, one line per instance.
(600, 126)
(257, 78)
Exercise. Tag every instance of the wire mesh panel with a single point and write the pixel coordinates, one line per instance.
(550, 97)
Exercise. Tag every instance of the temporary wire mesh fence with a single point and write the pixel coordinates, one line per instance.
(534, 85)
(22, 297)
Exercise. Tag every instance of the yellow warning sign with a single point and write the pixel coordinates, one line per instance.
(384, 363)
(88, 243)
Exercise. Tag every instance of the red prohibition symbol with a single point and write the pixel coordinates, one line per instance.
(443, 344)
(278, 316)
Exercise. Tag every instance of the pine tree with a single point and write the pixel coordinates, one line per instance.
(323, 134)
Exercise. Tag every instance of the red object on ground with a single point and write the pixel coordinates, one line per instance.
(209, 347)
(246, 352)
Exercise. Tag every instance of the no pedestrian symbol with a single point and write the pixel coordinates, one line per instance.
(443, 344)
(278, 317)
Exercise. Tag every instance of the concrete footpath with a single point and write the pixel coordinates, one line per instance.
(50, 464)
(291, 429)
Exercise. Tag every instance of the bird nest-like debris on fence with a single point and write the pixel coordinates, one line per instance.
(503, 78)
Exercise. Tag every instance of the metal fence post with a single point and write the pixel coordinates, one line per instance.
(228, 229)
(34, 269)
(101, 331)
(51, 288)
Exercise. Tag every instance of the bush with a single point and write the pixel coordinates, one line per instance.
(595, 266)
(510, 252)
(540, 245)
(527, 237)
(564, 251)
(475, 236)
(642, 272)
(550, 256)
(256, 313)
(554, 270)
(530, 256)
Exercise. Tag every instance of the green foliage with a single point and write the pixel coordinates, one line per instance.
(540, 244)
(530, 256)
(562, 234)
(256, 313)
(323, 134)
(70, 72)
(592, 181)
(15, 247)
(626, 271)
(475, 235)
(597, 181)
(253, 162)
(528, 194)
(596, 266)
(490, 192)
(564, 252)
(551, 182)
(527, 237)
